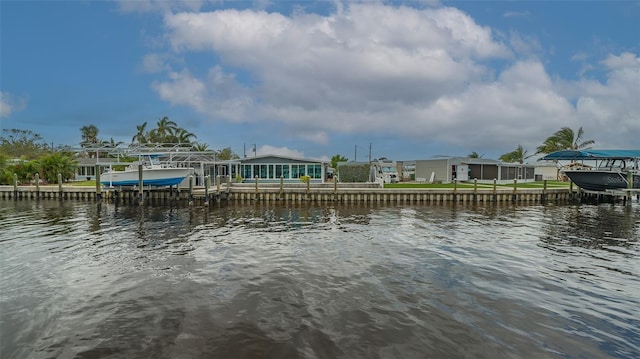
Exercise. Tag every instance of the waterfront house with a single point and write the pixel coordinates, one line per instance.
(446, 169)
(269, 169)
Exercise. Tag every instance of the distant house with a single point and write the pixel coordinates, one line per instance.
(270, 168)
(547, 170)
(447, 169)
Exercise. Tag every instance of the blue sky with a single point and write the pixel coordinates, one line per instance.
(311, 79)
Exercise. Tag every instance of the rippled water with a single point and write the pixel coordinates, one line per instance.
(82, 280)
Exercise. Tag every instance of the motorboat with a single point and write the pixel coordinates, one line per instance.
(154, 173)
(612, 169)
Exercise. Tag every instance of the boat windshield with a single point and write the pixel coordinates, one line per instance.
(154, 161)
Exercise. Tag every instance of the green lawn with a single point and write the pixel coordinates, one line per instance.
(82, 183)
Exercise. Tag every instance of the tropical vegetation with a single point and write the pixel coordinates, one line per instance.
(25, 153)
(565, 139)
(518, 155)
(337, 158)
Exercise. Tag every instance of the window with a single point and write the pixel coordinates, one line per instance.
(245, 171)
(315, 171)
(271, 171)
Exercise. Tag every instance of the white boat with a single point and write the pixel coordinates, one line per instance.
(613, 170)
(154, 173)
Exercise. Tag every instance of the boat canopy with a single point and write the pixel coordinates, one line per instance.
(592, 155)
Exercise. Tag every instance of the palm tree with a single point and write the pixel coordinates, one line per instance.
(142, 135)
(165, 128)
(517, 155)
(564, 139)
(475, 154)
(180, 135)
(89, 135)
(200, 147)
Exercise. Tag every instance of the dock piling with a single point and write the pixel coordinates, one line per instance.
(37, 176)
(15, 186)
(60, 186)
(98, 184)
(140, 186)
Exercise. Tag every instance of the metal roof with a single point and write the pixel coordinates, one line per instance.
(592, 155)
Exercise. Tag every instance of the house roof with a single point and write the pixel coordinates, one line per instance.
(592, 155)
(267, 156)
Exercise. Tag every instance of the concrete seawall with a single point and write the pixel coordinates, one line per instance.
(317, 194)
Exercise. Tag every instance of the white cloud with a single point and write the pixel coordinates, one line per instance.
(411, 73)
(625, 60)
(153, 63)
(159, 5)
(282, 151)
(10, 103)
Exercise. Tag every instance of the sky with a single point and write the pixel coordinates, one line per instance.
(404, 80)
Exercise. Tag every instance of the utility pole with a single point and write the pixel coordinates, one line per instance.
(355, 154)
(369, 151)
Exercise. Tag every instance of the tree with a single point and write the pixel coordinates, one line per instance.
(89, 136)
(181, 136)
(200, 147)
(226, 154)
(141, 136)
(518, 155)
(112, 143)
(164, 129)
(474, 154)
(16, 143)
(337, 158)
(54, 163)
(564, 139)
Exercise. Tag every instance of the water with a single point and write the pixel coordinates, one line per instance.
(82, 280)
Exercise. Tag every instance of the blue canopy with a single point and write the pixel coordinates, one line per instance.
(592, 155)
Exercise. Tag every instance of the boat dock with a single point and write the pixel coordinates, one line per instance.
(269, 192)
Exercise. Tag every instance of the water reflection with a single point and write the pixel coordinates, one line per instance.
(594, 227)
(326, 281)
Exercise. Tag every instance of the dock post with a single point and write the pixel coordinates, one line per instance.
(543, 199)
(140, 186)
(308, 180)
(335, 188)
(37, 175)
(455, 190)
(281, 187)
(218, 183)
(495, 194)
(515, 190)
(207, 184)
(98, 185)
(15, 186)
(570, 190)
(60, 186)
(256, 187)
(475, 190)
(191, 189)
(629, 186)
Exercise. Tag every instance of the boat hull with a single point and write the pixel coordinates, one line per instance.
(594, 180)
(150, 177)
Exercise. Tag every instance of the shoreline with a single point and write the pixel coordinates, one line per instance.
(313, 194)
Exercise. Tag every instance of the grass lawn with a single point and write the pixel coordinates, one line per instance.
(82, 183)
(537, 184)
